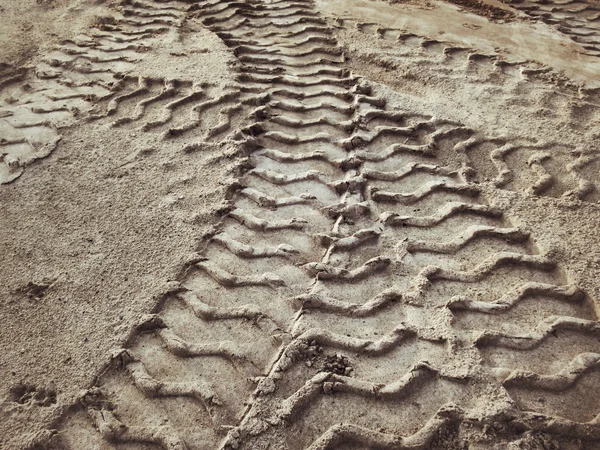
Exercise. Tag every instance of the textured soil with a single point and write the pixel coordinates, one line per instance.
(342, 224)
(485, 9)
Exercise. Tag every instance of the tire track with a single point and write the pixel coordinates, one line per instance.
(326, 285)
(510, 167)
(74, 76)
(577, 19)
(537, 169)
(467, 61)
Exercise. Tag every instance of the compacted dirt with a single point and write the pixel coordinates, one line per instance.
(291, 224)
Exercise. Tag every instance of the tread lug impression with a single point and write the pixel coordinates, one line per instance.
(360, 288)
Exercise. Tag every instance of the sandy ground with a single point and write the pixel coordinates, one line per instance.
(91, 235)
(519, 40)
(31, 24)
(507, 105)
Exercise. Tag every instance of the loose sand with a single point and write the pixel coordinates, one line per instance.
(91, 234)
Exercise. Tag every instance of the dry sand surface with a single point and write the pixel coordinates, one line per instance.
(287, 224)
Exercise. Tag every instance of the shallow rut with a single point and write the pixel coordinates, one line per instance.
(359, 291)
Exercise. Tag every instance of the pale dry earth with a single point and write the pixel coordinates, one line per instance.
(102, 224)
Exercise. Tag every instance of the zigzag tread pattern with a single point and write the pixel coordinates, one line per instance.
(577, 19)
(73, 76)
(503, 162)
(466, 61)
(324, 307)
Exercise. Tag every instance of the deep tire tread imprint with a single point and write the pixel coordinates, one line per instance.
(327, 281)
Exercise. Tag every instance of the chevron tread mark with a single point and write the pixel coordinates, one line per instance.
(338, 299)
(455, 61)
(538, 169)
(174, 109)
(579, 20)
(73, 76)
